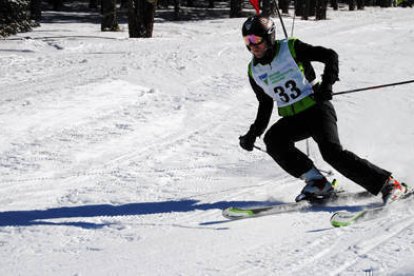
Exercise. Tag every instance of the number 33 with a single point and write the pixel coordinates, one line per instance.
(295, 92)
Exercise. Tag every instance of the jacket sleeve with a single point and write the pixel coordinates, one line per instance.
(307, 53)
(264, 111)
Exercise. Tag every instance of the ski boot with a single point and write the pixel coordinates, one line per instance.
(393, 190)
(317, 186)
(316, 190)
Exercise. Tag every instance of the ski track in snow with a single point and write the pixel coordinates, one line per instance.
(124, 152)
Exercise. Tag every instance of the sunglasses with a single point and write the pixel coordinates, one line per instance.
(253, 40)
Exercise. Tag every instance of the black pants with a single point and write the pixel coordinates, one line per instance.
(319, 122)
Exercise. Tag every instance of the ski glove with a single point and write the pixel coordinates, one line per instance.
(247, 141)
(323, 92)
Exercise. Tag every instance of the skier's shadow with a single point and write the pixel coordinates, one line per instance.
(44, 217)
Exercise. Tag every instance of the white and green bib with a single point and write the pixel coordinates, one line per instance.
(284, 81)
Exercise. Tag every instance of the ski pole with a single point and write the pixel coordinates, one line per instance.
(281, 20)
(371, 87)
(259, 148)
(294, 17)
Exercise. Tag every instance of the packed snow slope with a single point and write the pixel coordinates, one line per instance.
(117, 155)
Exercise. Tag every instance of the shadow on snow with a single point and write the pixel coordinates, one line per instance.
(38, 217)
(42, 217)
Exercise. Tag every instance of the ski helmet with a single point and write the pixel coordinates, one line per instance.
(260, 26)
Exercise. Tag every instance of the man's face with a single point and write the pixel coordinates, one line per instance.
(256, 44)
(259, 50)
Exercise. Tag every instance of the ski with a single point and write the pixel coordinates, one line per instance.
(241, 213)
(259, 211)
(345, 218)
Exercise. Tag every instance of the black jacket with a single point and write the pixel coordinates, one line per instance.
(305, 53)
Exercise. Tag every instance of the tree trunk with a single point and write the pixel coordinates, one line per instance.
(109, 21)
(385, 3)
(299, 7)
(211, 3)
(268, 8)
(124, 4)
(176, 9)
(369, 3)
(360, 4)
(93, 4)
(57, 5)
(235, 8)
(312, 7)
(321, 6)
(334, 4)
(141, 18)
(351, 5)
(35, 10)
(284, 6)
(305, 9)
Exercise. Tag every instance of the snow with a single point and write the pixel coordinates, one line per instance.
(117, 155)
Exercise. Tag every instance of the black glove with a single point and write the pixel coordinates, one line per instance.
(323, 92)
(247, 141)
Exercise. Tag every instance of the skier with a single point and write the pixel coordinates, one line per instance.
(281, 71)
